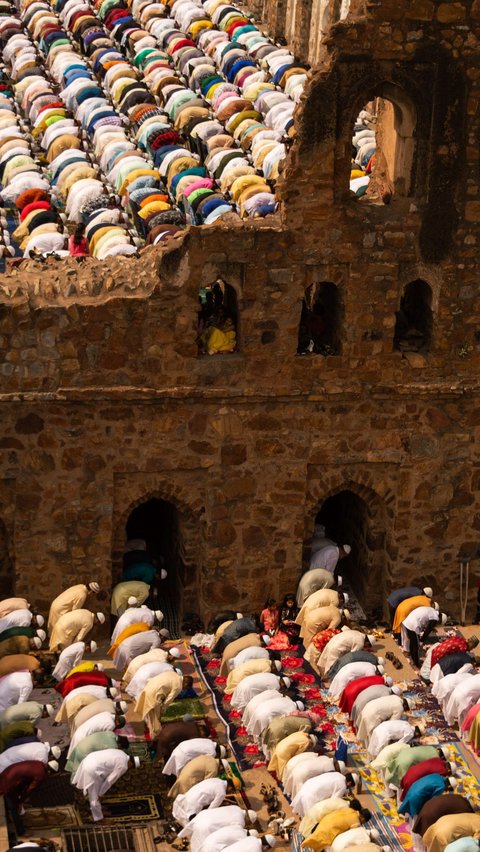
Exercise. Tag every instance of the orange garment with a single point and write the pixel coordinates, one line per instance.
(406, 607)
(131, 630)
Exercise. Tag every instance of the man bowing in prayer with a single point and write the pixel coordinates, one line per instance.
(73, 627)
(70, 599)
(159, 692)
(98, 772)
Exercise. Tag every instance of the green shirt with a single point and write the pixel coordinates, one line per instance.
(20, 728)
(30, 710)
(95, 742)
(405, 759)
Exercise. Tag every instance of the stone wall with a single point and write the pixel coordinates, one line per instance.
(105, 402)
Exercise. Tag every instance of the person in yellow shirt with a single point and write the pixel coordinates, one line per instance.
(333, 824)
(70, 599)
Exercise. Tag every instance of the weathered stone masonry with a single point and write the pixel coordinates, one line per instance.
(105, 403)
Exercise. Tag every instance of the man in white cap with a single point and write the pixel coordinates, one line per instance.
(28, 751)
(159, 692)
(345, 642)
(324, 786)
(371, 693)
(136, 614)
(133, 646)
(144, 674)
(73, 627)
(322, 597)
(392, 731)
(70, 599)
(206, 822)
(328, 555)
(397, 597)
(464, 696)
(444, 687)
(291, 746)
(253, 684)
(71, 657)
(80, 697)
(311, 581)
(15, 689)
(302, 767)
(318, 811)
(266, 711)
(126, 590)
(155, 655)
(351, 672)
(380, 710)
(255, 702)
(251, 653)
(28, 711)
(322, 618)
(100, 705)
(100, 722)
(251, 640)
(251, 667)
(189, 749)
(98, 772)
(208, 793)
(406, 607)
(20, 618)
(419, 623)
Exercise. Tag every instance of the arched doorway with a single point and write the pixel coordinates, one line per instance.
(414, 319)
(159, 523)
(350, 519)
(320, 320)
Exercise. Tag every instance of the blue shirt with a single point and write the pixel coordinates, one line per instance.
(396, 598)
(420, 792)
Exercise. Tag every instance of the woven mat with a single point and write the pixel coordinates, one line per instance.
(39, 819)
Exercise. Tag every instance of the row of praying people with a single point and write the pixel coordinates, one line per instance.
(363, 152)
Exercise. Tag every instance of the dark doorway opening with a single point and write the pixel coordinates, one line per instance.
(345, 517)
(414, 319)
(320, 320)
(157, 522)
(217, 332)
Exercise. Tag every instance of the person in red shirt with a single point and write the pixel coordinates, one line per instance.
(77, 244)
(426, 767)
(353, 690)
(17, 783)
(455, 645)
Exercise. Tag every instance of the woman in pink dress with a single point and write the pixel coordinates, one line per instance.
(270, 617)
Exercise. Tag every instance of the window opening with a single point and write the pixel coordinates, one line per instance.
(414, 319)
(217, 319)
(319, 332)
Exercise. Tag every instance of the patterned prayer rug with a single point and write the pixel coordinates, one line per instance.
(126, 808)
(40, 819)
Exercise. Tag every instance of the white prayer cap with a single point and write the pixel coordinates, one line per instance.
(174, 652)
(164, 632)
(163, 574)
(444, 618)
(355, 777)
(239, 614)
(252, 833)
(445, 751)
(435, 606)
(388, 681)
(94, 587)
(278, 665)
(114, 692)
(223, 751)
(158, 614)
(53, 765)
(101, 617)
(300, 705)
(93, 646)
(428, 592)
(339, 581)
(287, 681)
(39, 619)
(136, 762)
(252, 815)
(37, 642)
(226, 765)
(269, 838)
(396, 690)
(346, 548)
(313, 739)
(374, 834)
(346, 614)
(132, 601)
(342, 766)
(380, 669)
(123, 706)
(346, 597)
(453, 782)
(56, 751)
(100, 667)
(42, 635)
(371, 638)
(50, 709)
(344, 628)
(266, 639)
(410, 702)
(453, 767)
(386, 848)
(178, 671)
(381, 661)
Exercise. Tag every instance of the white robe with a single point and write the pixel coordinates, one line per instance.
(445, 686)
(464, 696)
(133, 615)
(340, 644)
(348, 673)
(263, 715)
(252, 653)
(306, 769)
(255, 702)
(186, 751)
(318, 811)
(353, 837)
(90, 689)
(156, 655)
(97, 772)
(100, 722)
(143, 675)
(249, 844)
(394, 730)
(427, 663)
(27, 751)
(324, 786)
(292, 765)
(208, 793)
(253, 685)
(133, 646)
(17, 618)
(68, 659)
(206, 822)
(224, 837)
(15, 688)
(377, 711)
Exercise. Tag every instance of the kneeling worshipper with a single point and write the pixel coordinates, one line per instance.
(322, 809)
(438, 807)
(200, 767)
(334, 824)
(265, 711)
(362, 656)
(281, 727)
(302, 767)
(16, 688)
(251, 640)
(450, 828)
(254, 684)
(322, 618)
(354, 689)
(73, 627)
(423, 790)
(24, 662)
(291, 746)
(155, 655)
(397, 765)
(105, 721)
(209, 793)
(397, 597)
(144, 674)
(464, 695)
(70, 599)
(71, 657)
(407, 606)
(453, 645)
(20, 640)
(19, 780)
(89, 675)
(250, 668)
(346, 641)
(36, 750)
(380, 710)
(186, 751)
(392, 730)
(322, 597)
(238, 628)
(98, 772)
(20, 618)
(80, 697)
(128, 593)
(350, 673)
(159, 692)
(326, 786)
(136, 644)
(206, 822)
(29, 711)
(99, 705)
(136, 613)
(98, 741)
(311, 581)
(11, 604)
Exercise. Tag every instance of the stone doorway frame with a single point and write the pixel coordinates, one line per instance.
(130, 491)
(379, 501)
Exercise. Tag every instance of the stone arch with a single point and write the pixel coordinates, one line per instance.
(191, 534)
(321, 319)
(414, 326)
(228, 313)
(378, 507)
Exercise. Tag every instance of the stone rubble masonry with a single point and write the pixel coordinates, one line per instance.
(105, 402)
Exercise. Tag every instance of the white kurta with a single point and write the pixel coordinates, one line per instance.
(342, 643)
(27, 751)
(97, 772)
(417, 621)
(208, 793)
(206, 822)
(90, 689)
(17, 618)
(71, 627)
(394, 730)
(224, 837)
(464, 696)
(255, 702)
(350, 672)
(353, 837)
(444, 687)
(248, 654)
(68, 659)
(139, 643)
(326, 786)
(186, 751)
(377, 711)
(306, 769)
(253, 685)
(15, 688)
(156, 655)
(143, 675)
(100, 722)
(133, 615)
